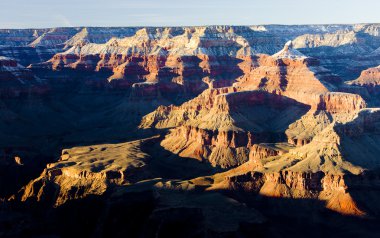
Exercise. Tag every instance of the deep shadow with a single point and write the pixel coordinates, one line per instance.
(141, 211)
(79, 109)
(347, 66)
(267, 116)
(165, 164)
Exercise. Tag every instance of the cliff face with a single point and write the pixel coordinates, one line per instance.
(186, 55)
(223, 122)
(286, 97)
(343, 45)
(336, 191)
(327, 169)
(170, 55)
(331, 168)
(292, 74)
(219, 148)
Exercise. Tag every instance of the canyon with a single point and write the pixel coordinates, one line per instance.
(208, 131)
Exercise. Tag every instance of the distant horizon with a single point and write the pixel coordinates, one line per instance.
(163, 26)
(42, 14)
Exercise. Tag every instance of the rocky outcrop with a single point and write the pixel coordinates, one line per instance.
(84, 171)
(220, 148)
(368, 85)
(258, 152)
(224, 122)
(340, 103)
(302, 131)
(280, 84)
(332, 150)
(172, 116)
(331, 168)
(292, 74)
(332, 189)
(368, 78)
(218, 106)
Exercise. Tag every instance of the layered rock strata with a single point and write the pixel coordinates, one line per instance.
(331, 168)
(289, 86)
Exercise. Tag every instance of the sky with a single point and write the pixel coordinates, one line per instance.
(65, 13)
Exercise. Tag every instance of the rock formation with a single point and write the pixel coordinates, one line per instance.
(162, 131)
(82, 171)
(367, 85)
(368, 78)
(325, 169)
(223, 123)
(342, 50)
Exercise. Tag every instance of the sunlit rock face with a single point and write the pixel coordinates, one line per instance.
(329, 168)
(281, 97)
(162, 131)
(368, 78)
(89, 170)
